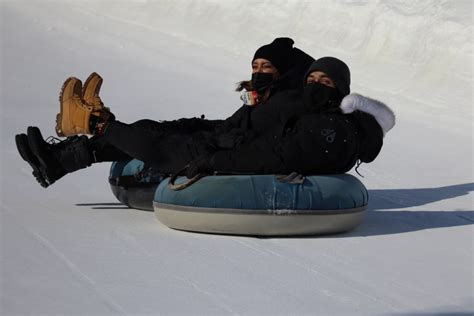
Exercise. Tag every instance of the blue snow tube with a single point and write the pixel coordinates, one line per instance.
(256, 205)
(133, 184)
(261, 205)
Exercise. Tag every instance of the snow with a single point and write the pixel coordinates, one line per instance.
(72, 249)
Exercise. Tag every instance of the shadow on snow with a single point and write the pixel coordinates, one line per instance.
(384, 215)
(381, 220)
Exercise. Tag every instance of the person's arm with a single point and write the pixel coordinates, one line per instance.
(371, 136)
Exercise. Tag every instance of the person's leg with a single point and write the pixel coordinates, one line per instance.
(102, 151)
(147, 141)
(142, 140)
(138, 139)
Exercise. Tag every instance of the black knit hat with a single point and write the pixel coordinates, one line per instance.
(277, 52)
(336, 69)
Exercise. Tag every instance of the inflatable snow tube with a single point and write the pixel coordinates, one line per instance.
(263, 206)
(133, 184)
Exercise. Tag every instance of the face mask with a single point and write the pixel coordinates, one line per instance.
(319, 97)
(261, 80)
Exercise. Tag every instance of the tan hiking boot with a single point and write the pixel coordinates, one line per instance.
(74, 115)
(90, 96)
(90, 91)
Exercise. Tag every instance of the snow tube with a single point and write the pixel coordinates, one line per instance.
(261, 205)
(133, 184)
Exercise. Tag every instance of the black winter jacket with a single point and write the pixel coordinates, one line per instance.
(279, 136)
(308, 144)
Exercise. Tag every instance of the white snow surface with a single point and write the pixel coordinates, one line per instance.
(72, 249)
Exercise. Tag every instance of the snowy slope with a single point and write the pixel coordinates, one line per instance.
(72, 249)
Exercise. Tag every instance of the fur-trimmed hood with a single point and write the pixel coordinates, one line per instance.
(381, 112)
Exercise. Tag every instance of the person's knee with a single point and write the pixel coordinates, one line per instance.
(145, 123)
(148, 126)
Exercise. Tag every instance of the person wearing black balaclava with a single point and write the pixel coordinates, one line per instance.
(327, 82)
(334, 132)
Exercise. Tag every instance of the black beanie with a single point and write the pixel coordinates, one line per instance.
(336, 69)
(277, 52)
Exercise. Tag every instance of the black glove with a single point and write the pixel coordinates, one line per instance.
(200, 165)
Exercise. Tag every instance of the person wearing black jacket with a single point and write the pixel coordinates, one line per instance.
(277, 69)
(322, 130)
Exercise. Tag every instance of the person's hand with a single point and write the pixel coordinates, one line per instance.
(350, 103)
(201, 165)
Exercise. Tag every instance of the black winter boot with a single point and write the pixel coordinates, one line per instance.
(58, 159)
(23, 147)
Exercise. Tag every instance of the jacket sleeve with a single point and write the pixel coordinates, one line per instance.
(371, 136)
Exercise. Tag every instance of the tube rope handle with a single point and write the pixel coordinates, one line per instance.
(186, 184)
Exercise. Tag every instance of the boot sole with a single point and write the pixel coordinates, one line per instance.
(59, 116)
(35, 138)
(64, 111)
(27, 155)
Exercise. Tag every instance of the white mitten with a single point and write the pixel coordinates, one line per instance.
(381, 112)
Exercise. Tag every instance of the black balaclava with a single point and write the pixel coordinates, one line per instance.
(320, 98)
(337, 70)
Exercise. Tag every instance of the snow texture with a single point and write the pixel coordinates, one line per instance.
(73, 250)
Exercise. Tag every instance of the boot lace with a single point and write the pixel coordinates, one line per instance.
(81, 102)
(53, 140)
(57, 141)
(96, 103)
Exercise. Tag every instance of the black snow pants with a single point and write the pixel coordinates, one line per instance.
(151, 142)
